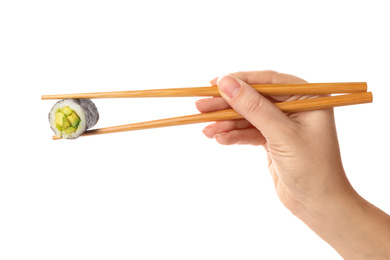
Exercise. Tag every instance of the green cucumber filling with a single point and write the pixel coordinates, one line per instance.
(67, 120)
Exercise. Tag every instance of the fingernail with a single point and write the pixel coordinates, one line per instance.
(213, 80)
(229, 86)
(217, 136)
(207, 128)
(208, 132)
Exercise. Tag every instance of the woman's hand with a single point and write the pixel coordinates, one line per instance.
(304, 161)
(302, 148)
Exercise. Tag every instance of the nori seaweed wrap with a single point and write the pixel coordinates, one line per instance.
(70, 118)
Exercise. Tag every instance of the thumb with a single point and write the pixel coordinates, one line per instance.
(249, 103)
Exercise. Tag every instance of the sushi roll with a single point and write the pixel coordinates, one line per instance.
(70, 118)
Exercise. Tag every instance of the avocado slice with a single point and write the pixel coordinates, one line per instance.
(74, 119)
(66, 120)
(66, 124)
(69, 130)
(59, 120)
(67, 111)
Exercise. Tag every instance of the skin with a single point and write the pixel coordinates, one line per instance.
(304, 161)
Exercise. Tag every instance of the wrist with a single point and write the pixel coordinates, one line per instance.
(319, 191)
(354, 227)
(337, 196)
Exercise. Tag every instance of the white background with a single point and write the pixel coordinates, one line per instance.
(171, 193)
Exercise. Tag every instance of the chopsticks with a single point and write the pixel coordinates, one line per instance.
(230, 114)
(357, 89)
(264, 89)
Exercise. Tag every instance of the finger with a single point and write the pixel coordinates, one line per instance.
(258, 110)
(266, 77)
(214, 81)
(225, 126)
(245, 136)
(211, 104)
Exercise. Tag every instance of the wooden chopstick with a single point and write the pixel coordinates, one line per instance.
(265, 89)
(230, 114)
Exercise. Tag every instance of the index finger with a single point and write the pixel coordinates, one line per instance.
(266, 77)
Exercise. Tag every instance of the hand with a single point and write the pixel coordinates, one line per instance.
(302, 148)
(304, 161)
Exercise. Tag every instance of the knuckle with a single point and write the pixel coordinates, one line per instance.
(254, 105)
(257, 76)
(273, 76)
(242, 75)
